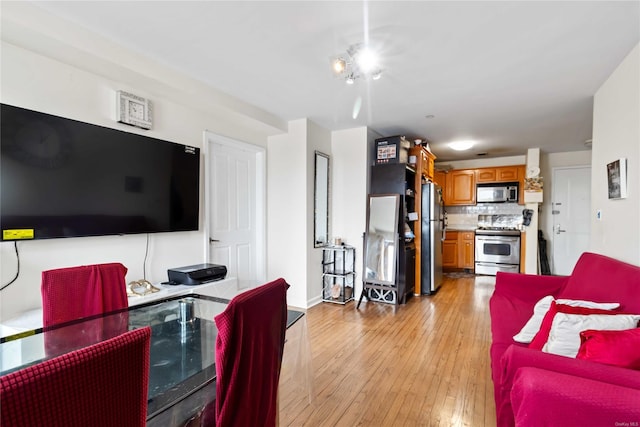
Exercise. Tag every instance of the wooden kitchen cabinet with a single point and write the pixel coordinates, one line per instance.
(428, 161)
(460, 187)
(424, 161)
(439, 178)
(458, 250)
(424, 166)
(507, 174)
(466, 250)
(486, 175)
(498, 174)
(450, 250)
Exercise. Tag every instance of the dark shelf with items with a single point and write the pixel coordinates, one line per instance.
(398, 178)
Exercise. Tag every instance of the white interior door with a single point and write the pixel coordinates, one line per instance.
(235, 206)
(571, 222)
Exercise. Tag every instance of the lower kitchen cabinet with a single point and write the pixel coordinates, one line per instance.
(466, 250)
(450, 250)
(458, 250)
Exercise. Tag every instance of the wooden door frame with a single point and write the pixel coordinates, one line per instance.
(210, 138)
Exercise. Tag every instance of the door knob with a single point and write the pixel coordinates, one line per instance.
(213, 240)
(558, 229)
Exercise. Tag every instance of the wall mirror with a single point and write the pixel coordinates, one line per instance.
(321, 201)
(381, 239)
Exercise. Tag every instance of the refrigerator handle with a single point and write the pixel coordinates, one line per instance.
(444, 232)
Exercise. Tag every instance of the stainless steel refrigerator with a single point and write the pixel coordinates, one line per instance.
(432, 229)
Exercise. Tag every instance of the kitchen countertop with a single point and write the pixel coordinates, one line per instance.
(461, 227)
(470, 228)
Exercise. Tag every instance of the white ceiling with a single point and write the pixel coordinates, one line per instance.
(511, 75)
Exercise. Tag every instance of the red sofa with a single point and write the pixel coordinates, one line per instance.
(541, 389)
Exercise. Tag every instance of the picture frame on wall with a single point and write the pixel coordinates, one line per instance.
(617, 179)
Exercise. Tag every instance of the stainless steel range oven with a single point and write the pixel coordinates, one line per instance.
(497, 250)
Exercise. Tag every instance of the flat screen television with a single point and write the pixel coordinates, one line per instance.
(64, 178)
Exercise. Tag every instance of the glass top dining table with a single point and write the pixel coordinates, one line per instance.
(182, 351)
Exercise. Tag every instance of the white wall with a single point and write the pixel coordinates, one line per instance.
(616, 134)
(349, 191)
(287, 216)
(290, 209)
(79, 87)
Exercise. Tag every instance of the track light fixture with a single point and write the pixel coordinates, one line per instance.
(358, 61)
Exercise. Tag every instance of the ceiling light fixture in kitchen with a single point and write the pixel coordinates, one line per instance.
(461, 145)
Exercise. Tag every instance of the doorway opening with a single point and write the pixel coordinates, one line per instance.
(571, 207)
(235, 208)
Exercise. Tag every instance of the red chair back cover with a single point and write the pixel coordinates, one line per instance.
(102, 385)
(249, 346)
(75, 292)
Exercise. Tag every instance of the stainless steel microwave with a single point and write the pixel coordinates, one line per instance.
(496, 193)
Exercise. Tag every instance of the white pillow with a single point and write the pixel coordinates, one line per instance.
(564, 336)
(531, 328)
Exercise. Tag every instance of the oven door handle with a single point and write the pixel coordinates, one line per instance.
(502, 240)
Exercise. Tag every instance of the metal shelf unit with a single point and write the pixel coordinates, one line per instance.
(338, 273)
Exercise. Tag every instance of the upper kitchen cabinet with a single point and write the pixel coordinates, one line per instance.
(424, 161)
(499, 174)
(460, 187)
(440, 178)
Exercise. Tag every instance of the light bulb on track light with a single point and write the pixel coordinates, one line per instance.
(339, 65)
(367, 60)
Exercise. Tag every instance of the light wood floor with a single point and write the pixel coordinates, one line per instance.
(425, 363)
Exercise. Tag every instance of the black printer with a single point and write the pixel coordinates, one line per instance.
(197, 274)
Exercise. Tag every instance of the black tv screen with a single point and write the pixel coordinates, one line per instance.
(65, 178)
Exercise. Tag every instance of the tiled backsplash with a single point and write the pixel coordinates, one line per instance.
(500, 221)
(467, 216)
(486, 209)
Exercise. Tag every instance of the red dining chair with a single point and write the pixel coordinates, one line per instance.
(102, 385)
(249, 347)
(76, 292)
